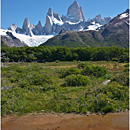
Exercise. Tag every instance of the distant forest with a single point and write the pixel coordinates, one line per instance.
(49, 54)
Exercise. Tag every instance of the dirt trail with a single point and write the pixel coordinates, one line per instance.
(112, 121)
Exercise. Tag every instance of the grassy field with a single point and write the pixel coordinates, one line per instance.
(64, 87)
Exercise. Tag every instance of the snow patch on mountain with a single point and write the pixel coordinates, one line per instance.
(125, 15)
(71, 23)
(3, 32)
(94, 26)
(58, 22)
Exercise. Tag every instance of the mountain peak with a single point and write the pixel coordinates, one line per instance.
(73, 7)
(75, 13)
(82, 14)
(13, 27)
(50, 12)
(39, 24)
(75, 3)
(127, 11)
(26, 19)
(27, 27)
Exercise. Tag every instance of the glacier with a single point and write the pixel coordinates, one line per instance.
(33, 41)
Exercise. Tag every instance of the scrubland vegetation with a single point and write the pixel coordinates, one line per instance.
(65, 86)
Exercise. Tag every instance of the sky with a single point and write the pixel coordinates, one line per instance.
(15, 11)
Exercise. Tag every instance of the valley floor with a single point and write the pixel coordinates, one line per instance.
(53, 121)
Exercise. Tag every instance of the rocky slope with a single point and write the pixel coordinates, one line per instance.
(11, 41)
(115, 33)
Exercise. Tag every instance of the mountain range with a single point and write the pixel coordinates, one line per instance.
(73, 24)
(73, 20)
(115, 33)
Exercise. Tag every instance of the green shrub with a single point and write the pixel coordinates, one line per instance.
(40, 79)
(33, 78)
(114, 91)
(57, 61)
(82, 65)
(115, 59)
(126, 65)
(76, 80)
(47, 87)
(124, 58)
(107, 109)
(107, 76)
(97, 71)
(126, 70)
(122, 78)
(24, 84)
(70, 71)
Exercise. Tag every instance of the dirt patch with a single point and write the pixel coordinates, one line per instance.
(112, 121)
(68, 66)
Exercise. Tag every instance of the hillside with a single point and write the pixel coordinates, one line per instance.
(77, 39)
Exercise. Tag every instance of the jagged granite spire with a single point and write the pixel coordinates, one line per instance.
(38, 30)
(50, 12)
(82, 14)
(27, 27)
(48, 25)
(12, 27)
(75, 13)
(39, 25)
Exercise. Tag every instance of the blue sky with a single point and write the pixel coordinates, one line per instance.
(14, 11)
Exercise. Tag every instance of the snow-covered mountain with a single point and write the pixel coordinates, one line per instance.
(74, 20)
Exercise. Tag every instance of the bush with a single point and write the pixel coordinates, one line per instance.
(47, 87)
(101, 103)
(40, 79)
(114, 91)
(107, 109)
(23, 84)
(126, 65)
(57, 61)
(122, 78)
(115, 59)
(76, 80)
(32, 78)
(124, 58)
(70, 71)
(126, 70)
(97, 71)
(82, 65)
